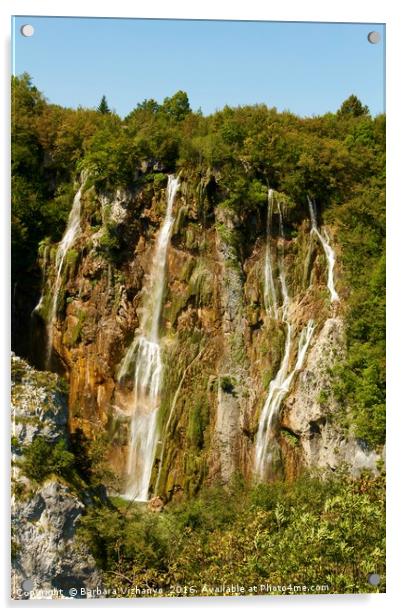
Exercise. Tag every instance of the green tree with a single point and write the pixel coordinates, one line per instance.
(177, 106)
(149, 104)
(103, 107)
(352, 106)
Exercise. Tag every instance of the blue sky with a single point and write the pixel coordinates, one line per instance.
(307, 68)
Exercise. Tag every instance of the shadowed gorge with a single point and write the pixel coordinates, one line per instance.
(210, 290)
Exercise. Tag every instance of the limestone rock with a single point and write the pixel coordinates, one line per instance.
(156, 504)
(46, 550)
(314, 421)
(48, 559)
(38, 405)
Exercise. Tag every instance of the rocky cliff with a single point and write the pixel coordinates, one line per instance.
(221, 343)
(47, 557)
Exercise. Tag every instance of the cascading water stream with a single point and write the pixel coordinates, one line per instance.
(44, 272)
(280, 385)
(68, 239)
(278, 389)
(329, 253)
(145, 353)
(282, 279)
(270, 299)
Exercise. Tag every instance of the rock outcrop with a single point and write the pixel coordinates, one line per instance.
(48, 559)
(311, 412)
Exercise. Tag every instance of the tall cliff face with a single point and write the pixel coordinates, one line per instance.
(222, 345)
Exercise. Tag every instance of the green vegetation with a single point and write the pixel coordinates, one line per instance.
(109, 242)
(325, 531)
(291, 438)
(198, 423)
(353, 107)
(227, 383)
(73, 335)
(43, 458)
(103, 107)
(91, 457)
(360, 383)
(81, 462)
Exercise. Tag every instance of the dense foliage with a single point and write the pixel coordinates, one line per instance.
(43, 458)
(360, 382)
(315, 531)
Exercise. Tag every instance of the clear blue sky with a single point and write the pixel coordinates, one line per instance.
(307, 68)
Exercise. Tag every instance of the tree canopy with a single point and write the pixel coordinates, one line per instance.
(353, 106)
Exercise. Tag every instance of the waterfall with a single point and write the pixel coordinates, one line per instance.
(270, 299)
(282, 279)
(145, 353)
(329, 252)
(281, 384)
(68, 239)
(43, 285)
(278, 389)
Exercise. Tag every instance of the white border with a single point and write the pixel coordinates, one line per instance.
(388, 11)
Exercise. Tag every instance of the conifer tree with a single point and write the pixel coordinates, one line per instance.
(352, 106)
(103, 107)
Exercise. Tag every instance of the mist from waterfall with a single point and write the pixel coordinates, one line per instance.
(145, 354)
(329, 252)
(68, 239)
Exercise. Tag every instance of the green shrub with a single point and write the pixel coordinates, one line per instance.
(159, 181)
(227, 383)
(42, 458)
(198, 422)
(91, 459)
(316, 530)
(109, 241)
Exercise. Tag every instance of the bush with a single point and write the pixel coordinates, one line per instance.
(110, 242)
(42, 458)
(227, 383)
(328, 531)
(91, 459)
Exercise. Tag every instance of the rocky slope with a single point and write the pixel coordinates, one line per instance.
(221, 347)
(47, 557)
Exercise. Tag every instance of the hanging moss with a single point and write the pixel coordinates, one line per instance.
(197, 423)
(72, 258)
(180, 220)
(178, 303)
(202, 284)
(192, 235)
(73, 335)
(186, 270)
